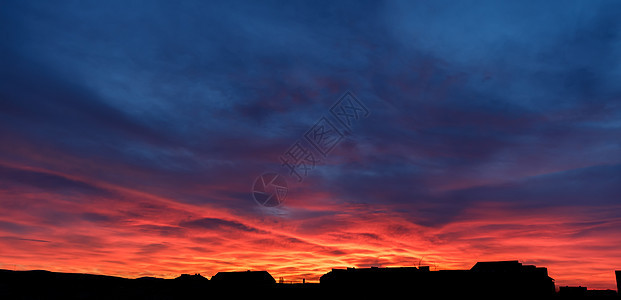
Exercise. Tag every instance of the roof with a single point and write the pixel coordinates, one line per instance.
(497, 266)
(244, 277)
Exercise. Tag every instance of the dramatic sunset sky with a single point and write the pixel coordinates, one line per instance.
(131, 133)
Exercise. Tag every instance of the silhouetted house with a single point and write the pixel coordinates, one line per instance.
(244, 278)
(572, 291)
(369, 278)
(511, 277)
(509, 266)
(484, 279)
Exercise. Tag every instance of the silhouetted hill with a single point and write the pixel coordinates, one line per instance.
(195, 277)
(52, 285)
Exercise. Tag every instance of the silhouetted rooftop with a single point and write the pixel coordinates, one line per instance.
(244, 277)
(490, 278)
(510, 266)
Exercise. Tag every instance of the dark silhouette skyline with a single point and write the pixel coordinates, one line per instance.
(494, 279)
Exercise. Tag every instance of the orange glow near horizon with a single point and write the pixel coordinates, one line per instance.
(135, 234)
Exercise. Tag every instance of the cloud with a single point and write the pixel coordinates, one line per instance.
(14, 227)
(218, 224)
(22, 239)
(11, 177)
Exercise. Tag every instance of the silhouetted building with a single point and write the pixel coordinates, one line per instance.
(368, 277)
(511, 277)
(509, 266)
(572, 291)
(483, 279)
(246, 278)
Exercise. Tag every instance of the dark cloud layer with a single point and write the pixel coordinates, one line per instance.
(217, 225)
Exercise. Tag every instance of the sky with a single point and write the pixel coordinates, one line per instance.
(132, 134)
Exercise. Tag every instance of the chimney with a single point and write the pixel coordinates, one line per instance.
(618, 273)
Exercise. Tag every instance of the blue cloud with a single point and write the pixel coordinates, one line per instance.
(183, 95)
